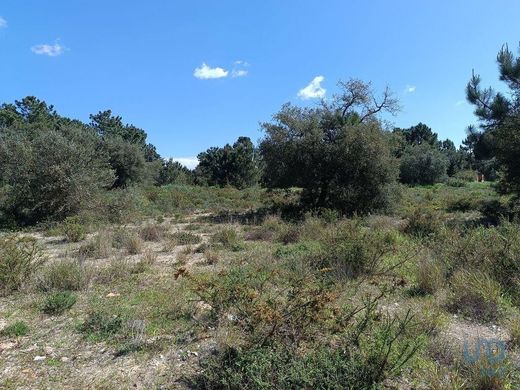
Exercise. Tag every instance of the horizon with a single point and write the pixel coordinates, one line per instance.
(196, 76)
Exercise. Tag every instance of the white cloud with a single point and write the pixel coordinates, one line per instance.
(49, 50)
(204, 72)
(239, 73)
(410, 88)
(314, 90)
(3, 22)
(188, 162)
(460, 102)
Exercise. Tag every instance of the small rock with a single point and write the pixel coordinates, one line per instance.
(112, 295)
(64, 359)
(39, 358)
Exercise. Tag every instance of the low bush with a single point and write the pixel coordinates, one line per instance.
(73, 229)
(424, 222)
(134, 244)
(64, 275)
(151, 232)
(185, 238)
(227, 237)
(20, 258)
(349, 250)
(100, 326)
(99, 247)
(16, 329)
(430, 276)
(289, 234)
(475, 294)
(57, 303)
(283, 323)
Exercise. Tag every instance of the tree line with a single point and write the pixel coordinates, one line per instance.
(340, 152)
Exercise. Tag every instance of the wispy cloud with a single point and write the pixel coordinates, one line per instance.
(3, 22)
(239, 73)
(188, 162)
(50, 50)
(204, 72)
(239, 68)
(410, 89)
(460, 103)
(314, 90)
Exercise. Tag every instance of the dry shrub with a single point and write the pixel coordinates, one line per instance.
(64, 275)
(210, 256)
(475, 294)
(20, 258)
(151, 232)
(99, 247)
(430, 276)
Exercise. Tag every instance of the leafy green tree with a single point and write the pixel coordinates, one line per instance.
(130, 156)
(418, 135)
(50, 173)
(235, 165)
(338, 152)
(173, 172)
(423, 164)
(499, 117)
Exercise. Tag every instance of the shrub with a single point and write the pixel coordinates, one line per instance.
(134, 244)
(423, 164)
(64, 275)
(514, 330)
(16, 329)
(430, 276)
(58, 302)
(466, 175)
(100, 326)
(210, 256)
(151, 232)
(226, 237)
(73, 230)
(475, 294)
(282, 339)
(424, 222)
(289, 234)
(20, 257)
(99, 247)
(186, 238)
(350, 250)
(493, 251)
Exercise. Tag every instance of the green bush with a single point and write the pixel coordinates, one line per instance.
(57, 303)
(227, 237)
(185, 238)
(20, 258)
(99, 247)
(423, 164)
(100, 326)
(16, 329)
(73, 230)
(424, 222)
(64, 275)
(349, 250)
(430, 276)
(475, 294)
(283, 337)
(151, 232)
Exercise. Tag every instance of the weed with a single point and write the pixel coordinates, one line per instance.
(16, 329)
(64, 275)
(20, 258)
(475, 294)
(151, 232)
(57, 303)
(185, 238)
(73, 229)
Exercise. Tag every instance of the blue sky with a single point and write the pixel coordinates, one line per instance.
(200, 74)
